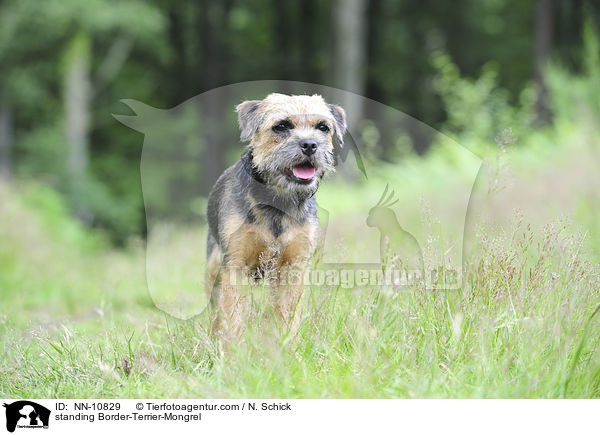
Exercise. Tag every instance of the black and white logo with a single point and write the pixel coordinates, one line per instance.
(24, 414)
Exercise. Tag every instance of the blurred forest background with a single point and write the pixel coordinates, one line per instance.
(82, 271)
(465, 67)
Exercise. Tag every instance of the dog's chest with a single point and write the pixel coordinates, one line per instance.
(284, 238)
(274, 221)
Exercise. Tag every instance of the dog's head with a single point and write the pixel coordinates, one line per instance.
(291, 139)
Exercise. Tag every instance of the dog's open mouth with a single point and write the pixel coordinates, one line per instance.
(303, 172)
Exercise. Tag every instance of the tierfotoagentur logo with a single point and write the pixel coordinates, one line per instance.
(24, 414)
(395, 238)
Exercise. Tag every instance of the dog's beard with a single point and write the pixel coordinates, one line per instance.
(284, 186)
(288, 182)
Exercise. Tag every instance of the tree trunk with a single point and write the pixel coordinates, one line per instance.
(373, 88)
(349, 65)
(77, 115)
(543, 46)
(308, 10)
(214, 21)
(283, 52)
(349, 50)
(180, 67)
(6, 137)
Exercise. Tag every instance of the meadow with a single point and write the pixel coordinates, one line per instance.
(77, 319)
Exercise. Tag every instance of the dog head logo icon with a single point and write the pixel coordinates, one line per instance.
(26, 414)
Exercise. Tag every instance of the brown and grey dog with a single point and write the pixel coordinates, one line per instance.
(264, 205)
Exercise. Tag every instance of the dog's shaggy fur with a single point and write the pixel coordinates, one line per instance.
(264, 205)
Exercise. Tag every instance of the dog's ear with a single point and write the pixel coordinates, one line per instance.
(339, 117)
(248, 118)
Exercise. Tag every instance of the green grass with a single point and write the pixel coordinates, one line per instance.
(77, 319)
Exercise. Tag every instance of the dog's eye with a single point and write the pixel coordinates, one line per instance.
(282, 126)
(323, 127)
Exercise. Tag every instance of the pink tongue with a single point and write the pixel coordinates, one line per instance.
(304, 172)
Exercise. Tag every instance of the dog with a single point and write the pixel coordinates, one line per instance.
(264, 207)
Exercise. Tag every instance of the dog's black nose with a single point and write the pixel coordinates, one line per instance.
(308, 147)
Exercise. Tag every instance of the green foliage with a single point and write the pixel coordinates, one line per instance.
(34, 64)
(478, 109)
(576, 97)
(81, 323)
(161, 52)
(113, 206)
(53, 216)
(44, 150)
(500, 335)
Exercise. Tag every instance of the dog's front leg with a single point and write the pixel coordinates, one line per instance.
(230, 303)
(290, 292)
(297, 245)
(244, 249)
